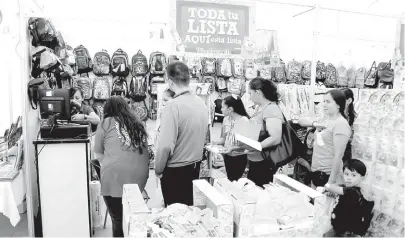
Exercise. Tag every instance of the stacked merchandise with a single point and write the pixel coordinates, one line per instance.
(378, 141)
(211, 215)
(281, 209)
(297, 99)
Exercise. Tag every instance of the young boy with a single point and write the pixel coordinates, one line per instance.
(352, 213)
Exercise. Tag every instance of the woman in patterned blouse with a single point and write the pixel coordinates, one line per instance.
(235, 161)
(122, 149)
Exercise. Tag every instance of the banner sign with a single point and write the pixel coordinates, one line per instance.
(211, 27)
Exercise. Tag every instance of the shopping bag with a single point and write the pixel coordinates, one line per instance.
(329, 206)
(158, 195)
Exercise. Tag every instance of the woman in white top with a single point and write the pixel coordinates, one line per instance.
(235, 161)
(331, 138)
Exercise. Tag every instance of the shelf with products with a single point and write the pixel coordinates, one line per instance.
(378, 141)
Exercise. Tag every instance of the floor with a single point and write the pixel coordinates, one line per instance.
(7, 230)
(21, 230)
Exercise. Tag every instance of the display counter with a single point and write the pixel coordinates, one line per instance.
(63, 176)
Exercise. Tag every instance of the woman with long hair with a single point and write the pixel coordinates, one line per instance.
(122, 149)
(235, 161)
(264, 94)
(331, 138)
(351, 116)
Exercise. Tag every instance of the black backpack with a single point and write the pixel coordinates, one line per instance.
(218, 107)
(362, 211)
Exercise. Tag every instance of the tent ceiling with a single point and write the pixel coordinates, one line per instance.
(390, 8)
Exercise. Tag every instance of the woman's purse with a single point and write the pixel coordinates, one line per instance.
(289, 148)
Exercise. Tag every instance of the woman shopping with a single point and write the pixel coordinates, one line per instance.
(235, 161)
(82, 112)
(122, 149)
(331, 137)
(264, 95)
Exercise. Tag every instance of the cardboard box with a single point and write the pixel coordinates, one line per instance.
(321, 219)
(243, 205)
(135, 212)
(207, 196)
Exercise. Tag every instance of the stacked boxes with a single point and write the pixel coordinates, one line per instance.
(135, 212)
(206, 196)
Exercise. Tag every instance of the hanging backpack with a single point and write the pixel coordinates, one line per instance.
(101, 88)
(235, 85)
(294, 69)
(138, 88)
(331, 76)
(34, 86)
(218, 116)
(320, 72)
(120, 87)
(83, 60)
(173, 58)
(84, 84)
(385, 75)
(342, 78)
(306, 71)
(265, 72)
(371, 77)
(351, 77)
(208, 66)
(249, 69)
(237, 68)
(120, 63)
(224, 67)
(158, 63)
(140, 109)
(102, 63)
(221, 85)
(43, 32)
(278, 73)
(361, 77)
(98, 107)
(154, 81)
(194, 67)
(210, 80)
(139, 64)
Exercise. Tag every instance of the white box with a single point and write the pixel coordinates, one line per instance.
(243, 205)
(320, 217)
(205, 195)
(135, 212)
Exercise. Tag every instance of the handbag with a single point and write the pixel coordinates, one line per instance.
(385, 73)
(289, 148)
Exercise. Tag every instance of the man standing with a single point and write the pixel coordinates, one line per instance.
(179, 149)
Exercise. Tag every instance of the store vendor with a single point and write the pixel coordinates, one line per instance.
(81, 112)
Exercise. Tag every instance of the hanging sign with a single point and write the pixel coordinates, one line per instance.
(206, 27)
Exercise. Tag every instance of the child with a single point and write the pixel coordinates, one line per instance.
(351, 215)
(302, 168)
(235, 161)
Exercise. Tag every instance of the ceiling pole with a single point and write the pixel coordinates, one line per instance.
(315, 36)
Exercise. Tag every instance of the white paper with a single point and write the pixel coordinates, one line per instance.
(319, 139)
(247, 129)
(252, 143)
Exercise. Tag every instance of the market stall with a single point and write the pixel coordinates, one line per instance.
(325, 35)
